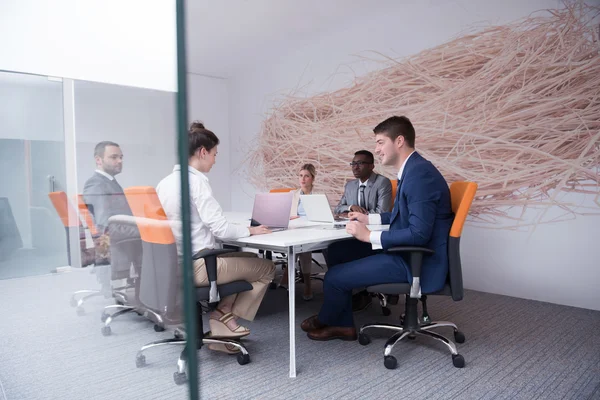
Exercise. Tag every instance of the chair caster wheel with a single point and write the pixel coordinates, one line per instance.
(106, 331)
(140, 361)
(243, 359)
(386, 311)
(459, 337)
(80, 311)
(272, 285)
(73, 303)
(364, 339)
(158, 328)
(390, 362)
(458, 360)
(179, 378)
(103, 317)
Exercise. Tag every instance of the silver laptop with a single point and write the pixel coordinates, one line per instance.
(272, 210)
(317, 209)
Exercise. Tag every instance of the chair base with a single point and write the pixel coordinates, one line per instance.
(105, 291)
(159, 325)
(180, 376)
(86, 295)
(410, 328)
(108, 318)
(400, 334)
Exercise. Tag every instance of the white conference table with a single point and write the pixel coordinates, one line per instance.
(301, 236)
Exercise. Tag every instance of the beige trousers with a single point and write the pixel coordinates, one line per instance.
(236, 267)
(305, 263)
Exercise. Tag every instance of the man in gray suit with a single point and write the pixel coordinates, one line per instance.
(102, 191)
(105, 197)
(369, 192)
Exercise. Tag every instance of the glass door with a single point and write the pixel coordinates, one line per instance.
(32, 164)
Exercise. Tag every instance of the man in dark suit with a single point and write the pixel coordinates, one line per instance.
(105, 198)
(369, 192)
(421, 216)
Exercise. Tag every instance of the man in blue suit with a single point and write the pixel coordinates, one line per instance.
(422, 216)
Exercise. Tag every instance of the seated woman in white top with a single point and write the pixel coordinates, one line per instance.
(306, 179)
(208, 223)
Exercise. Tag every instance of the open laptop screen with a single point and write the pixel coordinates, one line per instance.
(317, 208)
(272, 209)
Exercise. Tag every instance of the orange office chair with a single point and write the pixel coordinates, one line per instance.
(67, 215)
(86, 215)
(281, 190)
(70, 219)
(394, 189)
(160, 288)
(461, 196)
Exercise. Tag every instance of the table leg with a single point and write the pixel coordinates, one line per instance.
(292, 308)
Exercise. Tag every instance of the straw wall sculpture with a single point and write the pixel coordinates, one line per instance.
(515, 108)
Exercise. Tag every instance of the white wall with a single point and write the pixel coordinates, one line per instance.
(130, 42)
(208, 102)
(558, 263)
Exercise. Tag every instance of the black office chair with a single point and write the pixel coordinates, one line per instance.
(462, 194)
(160, 282)
(125, 252)
(281, 259)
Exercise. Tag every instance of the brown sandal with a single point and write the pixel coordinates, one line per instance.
(219, 328)
(225, 348)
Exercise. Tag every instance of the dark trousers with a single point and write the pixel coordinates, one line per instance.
(351, 265)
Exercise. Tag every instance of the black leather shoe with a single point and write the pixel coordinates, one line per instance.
(360, 301)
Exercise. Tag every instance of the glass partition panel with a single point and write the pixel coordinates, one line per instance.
(77, 313)
(32, 164)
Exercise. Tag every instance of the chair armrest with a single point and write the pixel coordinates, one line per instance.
(407, 249)
(210, 253)
(416, 261)
(210, 262)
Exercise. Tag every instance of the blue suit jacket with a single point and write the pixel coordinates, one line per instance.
(422, 216)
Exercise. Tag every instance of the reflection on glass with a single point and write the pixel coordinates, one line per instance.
(76, 333)
(32, 164)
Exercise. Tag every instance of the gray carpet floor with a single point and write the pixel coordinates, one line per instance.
(515, 349)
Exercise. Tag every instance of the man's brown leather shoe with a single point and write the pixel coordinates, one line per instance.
(333, 332)
(311, 323)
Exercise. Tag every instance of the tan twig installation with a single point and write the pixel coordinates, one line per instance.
(515, 108)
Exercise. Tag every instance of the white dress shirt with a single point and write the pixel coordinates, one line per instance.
(109, 176)
(375, 219)
(207, 219)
